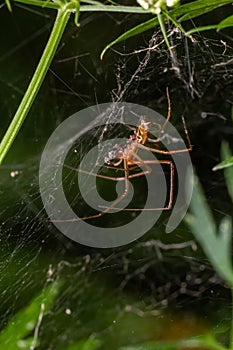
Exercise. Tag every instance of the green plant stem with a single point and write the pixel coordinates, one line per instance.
(176, 23)
(36, 81)
(96, 6)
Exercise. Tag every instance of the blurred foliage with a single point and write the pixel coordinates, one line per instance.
(21, 331)
(226, 163)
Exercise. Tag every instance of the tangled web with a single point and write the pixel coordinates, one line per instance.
(116, 292)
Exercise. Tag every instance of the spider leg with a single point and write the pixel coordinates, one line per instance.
(118, 200)
(172, 169)
(162, 127)
(78, 170)
(187, 149)
(168, 110)
(106, 210)
(130, 127)
(160, 151)
(190, 147)
(126, 179)
(154, 140)
(171, 192)
(117, 168)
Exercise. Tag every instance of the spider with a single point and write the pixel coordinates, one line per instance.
(127, 156)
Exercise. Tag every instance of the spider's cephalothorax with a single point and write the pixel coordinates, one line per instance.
(139, 136)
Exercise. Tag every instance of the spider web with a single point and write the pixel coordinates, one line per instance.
(114, 294)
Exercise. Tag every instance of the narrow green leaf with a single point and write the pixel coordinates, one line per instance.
(201, 29)
(8, 4)
(93, 6)
(40, 3)
(142, 27)
(163, 30)
(176, 23)
(215, 245)
(197, 8)
(224, 164)
(112, 8)
(196, 12)
(184, 12)
(227, 22)
(226, 155)
(112, 2)
(36, 81)
(91, 2)
(225, 233)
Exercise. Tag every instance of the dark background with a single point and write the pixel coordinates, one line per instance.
(98, 285)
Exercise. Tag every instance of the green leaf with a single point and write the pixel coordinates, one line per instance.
(197, 8)
(40, 3)
(184, 12)
(91, 2)
(227, 22)
(201, 10)
(36, 81)
(201, 29)
(163, 30)
(142, 27)
(8, 4)
(26, 319)
(227, 166)
(176, 23)
(224, 164)
(225, 232)
(113, 8)
(226, 155)
(215, 245)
